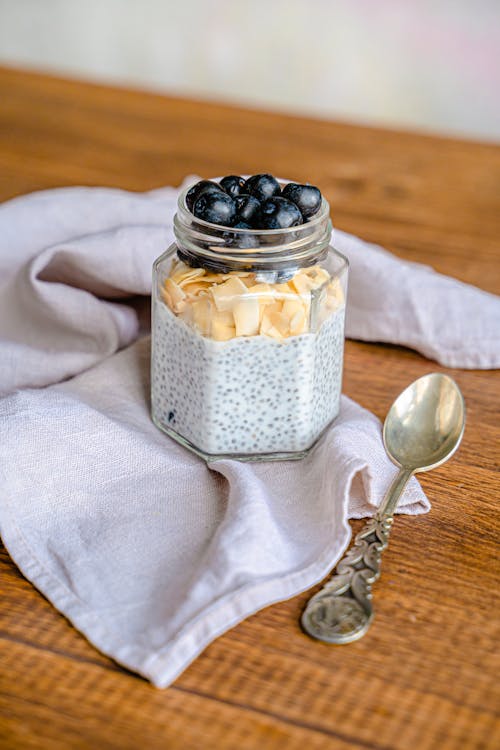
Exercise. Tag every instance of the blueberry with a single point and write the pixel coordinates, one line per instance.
(240, 239)
(201, 187)
(185, 257)
(232, 184)
(279, 213)
(285, 275)
(248, 209)
(262, 186)
(207, 263)
(215, 207)
(306, 197)
(241, 225)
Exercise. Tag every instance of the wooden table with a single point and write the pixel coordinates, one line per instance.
(424, 677)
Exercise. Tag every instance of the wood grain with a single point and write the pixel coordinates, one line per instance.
(426, 675)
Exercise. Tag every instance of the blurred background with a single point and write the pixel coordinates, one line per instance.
(428, 65)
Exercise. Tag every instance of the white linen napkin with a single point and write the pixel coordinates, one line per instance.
(149, 552)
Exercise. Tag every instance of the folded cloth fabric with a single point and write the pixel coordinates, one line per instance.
(149, 552)
(398, 302)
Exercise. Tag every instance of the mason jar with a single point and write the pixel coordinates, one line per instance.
(247, 337)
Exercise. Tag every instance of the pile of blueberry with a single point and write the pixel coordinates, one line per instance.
(255, 203)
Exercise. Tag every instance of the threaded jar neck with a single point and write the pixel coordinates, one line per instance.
(270, 251)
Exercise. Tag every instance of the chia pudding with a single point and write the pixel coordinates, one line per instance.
(248, 320)
(246, 395)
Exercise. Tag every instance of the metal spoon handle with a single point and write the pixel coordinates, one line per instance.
(342, 611)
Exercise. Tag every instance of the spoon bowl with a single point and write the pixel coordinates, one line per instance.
(425, 424)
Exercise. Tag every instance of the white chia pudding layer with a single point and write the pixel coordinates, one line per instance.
(248, 395)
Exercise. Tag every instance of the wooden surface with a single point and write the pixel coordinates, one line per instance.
(426, 675)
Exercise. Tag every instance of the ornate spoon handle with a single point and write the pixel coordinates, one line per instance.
(342, 611)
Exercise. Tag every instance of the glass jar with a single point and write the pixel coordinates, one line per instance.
(247, 337)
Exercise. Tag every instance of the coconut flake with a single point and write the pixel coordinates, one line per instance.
(176, 295)
(246, 314)
(225, 295)
(220, 332)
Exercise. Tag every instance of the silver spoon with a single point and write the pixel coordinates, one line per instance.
(422, 430)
